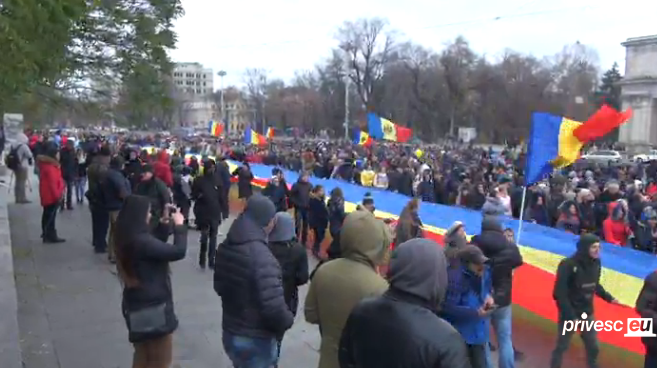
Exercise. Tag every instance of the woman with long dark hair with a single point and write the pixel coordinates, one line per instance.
(409, 225)
(143, 266)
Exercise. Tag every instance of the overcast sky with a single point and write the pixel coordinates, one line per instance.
(287, 35)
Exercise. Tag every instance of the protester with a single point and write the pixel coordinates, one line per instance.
(276, 191)
(455, 241)
(51, 192)
(143, 267)
(114, 189)
(340, 284)
(505, 257)
(156, 190)
(99, 214)
(81, 177)
(401, 328)
(244, 177)
(208, 195)
(337, 215)
(292, 258)
(69, 166)
(409, 225)
(646, 307)
(577, 281)
(318, 217)
(469, 304)
(18, 160)
(300, 199)
(248, 279)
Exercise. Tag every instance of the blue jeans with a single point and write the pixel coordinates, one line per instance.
(501, 320)
(80, 185)
(250, 352)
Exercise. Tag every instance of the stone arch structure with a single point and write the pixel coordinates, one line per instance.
(639, 91)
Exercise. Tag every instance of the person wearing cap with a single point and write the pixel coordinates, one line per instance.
(455, 241)
(468, 302)
(338, 285)
(248, 279)
(646, 307)
(404, 317)
(208, 195)
(156, 190)
(577, 282)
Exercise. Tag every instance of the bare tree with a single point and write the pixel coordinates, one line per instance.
(368, 45)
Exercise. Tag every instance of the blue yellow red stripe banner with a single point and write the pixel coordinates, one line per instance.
(253, 137)
(383, 129)
(362, 138)
(216, 129)
(542, 249)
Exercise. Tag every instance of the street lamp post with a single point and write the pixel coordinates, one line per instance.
(222, 74)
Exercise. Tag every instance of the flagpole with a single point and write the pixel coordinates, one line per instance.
(522, 214)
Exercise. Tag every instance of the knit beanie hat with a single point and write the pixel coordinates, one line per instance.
(283, 230)
(585, 242)
(368, 199)
(260, 209)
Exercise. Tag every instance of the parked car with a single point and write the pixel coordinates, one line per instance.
(645, 157)
(606, 157)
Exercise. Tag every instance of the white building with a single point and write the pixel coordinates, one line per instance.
(197, 114)
(639, 92)
(193, 79)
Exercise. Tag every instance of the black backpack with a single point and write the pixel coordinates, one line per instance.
(12, 161)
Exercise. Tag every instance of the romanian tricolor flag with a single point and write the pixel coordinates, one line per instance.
(362, 138)
(384, 129)
(253, 137)
(270, 133)
(215, 129)
(556, 142)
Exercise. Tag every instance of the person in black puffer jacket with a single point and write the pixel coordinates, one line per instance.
(401, 328)
(577, 282)
(143, 265)
(646, 306)
(505, 257)
(277, 191)
(208, 195)
(292, 258)
(300, 198)
(248, 279)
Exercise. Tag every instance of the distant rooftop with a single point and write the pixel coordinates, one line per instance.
(643, 40)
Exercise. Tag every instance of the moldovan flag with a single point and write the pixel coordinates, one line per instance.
(384, 129)
(253, 137)
(216, 129)
(556, 142)
(270, 133)
(362, 138)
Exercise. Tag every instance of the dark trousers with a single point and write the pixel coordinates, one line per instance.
(320, 233)
(100, 220)
(591, 347)
(225, 210)
(477, 355)
(651, 359)
(209, 233)
(48, 217)
(301, 224)
(69, 194)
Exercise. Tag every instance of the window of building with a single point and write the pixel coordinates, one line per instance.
(198, 91)
(203, 84)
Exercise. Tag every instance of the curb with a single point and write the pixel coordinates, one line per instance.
(10, 351)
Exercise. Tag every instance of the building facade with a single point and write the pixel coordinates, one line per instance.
(193, 79)
(639, 92)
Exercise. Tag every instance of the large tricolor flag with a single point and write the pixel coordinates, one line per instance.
(362, 138)
(384, 129)
(556, 142)
(253, 137)
(216, 129)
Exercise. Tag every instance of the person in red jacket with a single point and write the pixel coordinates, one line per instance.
(615, 227)
(162, 169)
(51, 191)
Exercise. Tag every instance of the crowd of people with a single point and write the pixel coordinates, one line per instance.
(382, 296)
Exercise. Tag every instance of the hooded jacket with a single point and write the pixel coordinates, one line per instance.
(162, 169)
(51, 183)
(338, 285)
(405, 317)
(247, 277)
(493, 207)
(578, 280)
(504, 258)
(615, 227)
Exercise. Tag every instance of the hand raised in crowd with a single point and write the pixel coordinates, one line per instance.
(178, 218)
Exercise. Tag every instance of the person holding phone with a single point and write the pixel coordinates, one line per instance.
(468, 302)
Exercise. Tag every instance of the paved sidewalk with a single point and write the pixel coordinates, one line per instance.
(69, 303)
